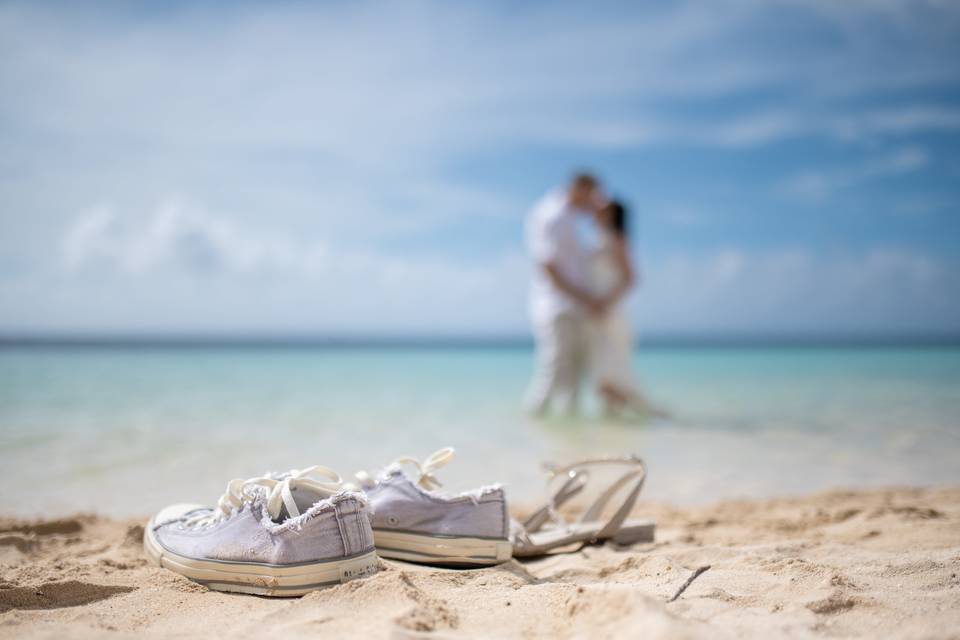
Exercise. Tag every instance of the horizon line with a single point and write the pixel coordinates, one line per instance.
(452, 340)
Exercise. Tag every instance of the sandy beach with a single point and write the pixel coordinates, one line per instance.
(882, 563)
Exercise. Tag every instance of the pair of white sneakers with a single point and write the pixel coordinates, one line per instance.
(285, 534)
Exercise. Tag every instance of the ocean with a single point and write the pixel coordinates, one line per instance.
(124, 430)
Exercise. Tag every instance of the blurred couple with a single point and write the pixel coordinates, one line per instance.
(583, 270)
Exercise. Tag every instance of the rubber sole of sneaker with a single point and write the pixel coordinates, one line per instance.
(260, 578)
(441, 550)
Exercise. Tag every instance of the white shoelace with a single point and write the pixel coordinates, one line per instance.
(425, 469)
(279, 493)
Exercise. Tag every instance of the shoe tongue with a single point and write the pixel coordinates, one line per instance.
(305, 497)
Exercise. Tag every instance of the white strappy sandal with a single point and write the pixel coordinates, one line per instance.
(534, 538)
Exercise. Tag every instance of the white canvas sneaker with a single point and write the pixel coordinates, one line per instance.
(275, 535)
(414, 522)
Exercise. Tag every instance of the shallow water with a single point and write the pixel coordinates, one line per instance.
(125, 430)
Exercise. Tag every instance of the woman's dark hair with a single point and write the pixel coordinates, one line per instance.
(618, 217)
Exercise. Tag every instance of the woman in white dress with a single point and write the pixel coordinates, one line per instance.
(611, 338)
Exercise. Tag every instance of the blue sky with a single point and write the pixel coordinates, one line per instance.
(365, 168)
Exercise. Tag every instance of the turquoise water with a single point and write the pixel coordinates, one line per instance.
(126, 430)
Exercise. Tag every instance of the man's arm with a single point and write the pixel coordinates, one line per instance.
(575, 292)
(545, 240)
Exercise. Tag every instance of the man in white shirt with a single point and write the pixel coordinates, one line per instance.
(559, 298)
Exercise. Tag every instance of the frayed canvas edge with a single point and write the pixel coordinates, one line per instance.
(481, 491)
(322, 506)
(473, 495)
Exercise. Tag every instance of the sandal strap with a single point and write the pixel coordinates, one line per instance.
(617, 519)
(579, 465)
(574, 484)
(637, 475)
(595, 509)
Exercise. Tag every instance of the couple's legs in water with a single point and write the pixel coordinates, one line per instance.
(617, 400)
(563, 357)
(561, 364)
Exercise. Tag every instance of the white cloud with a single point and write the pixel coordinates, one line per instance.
(184, 267)
(863, 126)
(794, 290)
(914, 118)
(818, 184)
(176, 235)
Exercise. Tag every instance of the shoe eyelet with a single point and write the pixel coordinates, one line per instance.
(393, 520)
